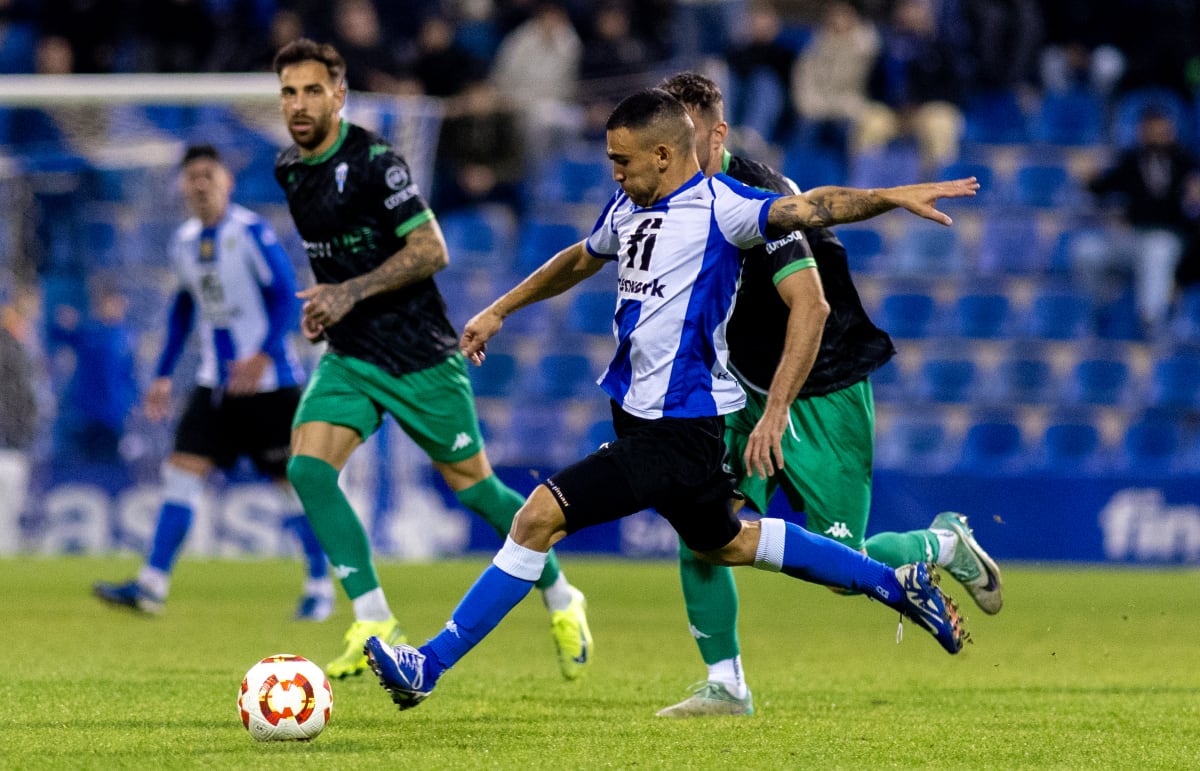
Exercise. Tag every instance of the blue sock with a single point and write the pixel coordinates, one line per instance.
(822, 560)
(488, 601)
(314, 555)
(174, 521)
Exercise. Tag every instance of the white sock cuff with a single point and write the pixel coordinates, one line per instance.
(181, 487)
(771, 535)
(520, 562)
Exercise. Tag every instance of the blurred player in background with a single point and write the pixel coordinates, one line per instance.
(374, 246)
(675, 237)
(802, 347)
(237, 285)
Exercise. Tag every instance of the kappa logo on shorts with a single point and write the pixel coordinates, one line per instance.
(462, 440)
(838, 530)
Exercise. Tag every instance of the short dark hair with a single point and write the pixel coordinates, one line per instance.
(194, 152)
(305, 50)
(698, 91)
(653, 106)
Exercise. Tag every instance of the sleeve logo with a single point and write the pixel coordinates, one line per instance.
(396, 177)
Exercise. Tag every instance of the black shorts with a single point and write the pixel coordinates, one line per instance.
(673, 465)
(223, 429)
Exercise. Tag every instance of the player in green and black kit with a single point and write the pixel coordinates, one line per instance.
(802, 347)
(374, 246)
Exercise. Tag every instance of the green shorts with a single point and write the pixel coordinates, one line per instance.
(434, 406)
(828, 451)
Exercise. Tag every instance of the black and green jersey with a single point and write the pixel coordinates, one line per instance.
(851, 346)
(354, 205)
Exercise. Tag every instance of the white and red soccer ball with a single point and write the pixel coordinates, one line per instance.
(285, 697)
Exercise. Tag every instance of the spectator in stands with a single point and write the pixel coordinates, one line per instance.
(537, 68)
(704, 27)
(176, 36)
(91, 28)
(18, 415)
(102, 388)
(371, 64)
(917, 84)
(443, 67)
(18, 36)
(1159, 180)
(480, 151)
(1080, 50)
(612, 51)
(760, 73)
(1008, 38)
(829, 78)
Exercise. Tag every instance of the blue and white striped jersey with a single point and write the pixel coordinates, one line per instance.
(241, 282)
(678, 267)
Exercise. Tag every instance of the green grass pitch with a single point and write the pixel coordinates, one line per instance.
(1084, 668)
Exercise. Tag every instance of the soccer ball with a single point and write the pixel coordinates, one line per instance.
(285, 697)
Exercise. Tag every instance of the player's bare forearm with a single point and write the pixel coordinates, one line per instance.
(423, 255)
(831, 205)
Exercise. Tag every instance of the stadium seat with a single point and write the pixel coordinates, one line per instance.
(918, 444)
(496, 378)
(1175, 381)
(540, 240)
(887, 382)
(584, 177)
(1060, 315)
(1011, 245)
(995, 117)
(926, 249)
(1021, 380)
(864, 245)
(538, 435)
(885, 167)
(1071, 448)
(563, 376)
(1184, 326)
(993, 446)
(809, 166)
(1043, 186)
(947, 380)
(981, 172)
(907, 315)
(479, 237)
(598, 432)
(1073, 117)
(591, 312)
(1100, 382)
(981, 316)
(1150, 446)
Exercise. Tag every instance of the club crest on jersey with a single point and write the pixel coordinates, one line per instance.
(339, 175)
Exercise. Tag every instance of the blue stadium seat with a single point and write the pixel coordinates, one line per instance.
(1011, 246)
(926, 249)
(1184, 326)
(598, 432)
(540, 240)
(1060, 315)
(563, 376)
(995, 117)
(1021, 380)
(479, 237)
(538, 435)
(812, 167)
(981, 172)
(981, 316)
(1073, 117)
(863, 245)
(1043, 186)
(947, 380)
(917, 443)
(907, 315)
(1101, 382)
(892, 165)
(1072, 448)
(591, 312)
(574, 179)
(1175, 381)
(993, 446)
(887, 382)
(1150, 446)
(496, 378)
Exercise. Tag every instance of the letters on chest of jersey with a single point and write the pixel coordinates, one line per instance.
(637, 277)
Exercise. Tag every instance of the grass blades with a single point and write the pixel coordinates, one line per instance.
(1084, 668)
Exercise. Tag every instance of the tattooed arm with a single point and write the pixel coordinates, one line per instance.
(826, 206)
(424, 254)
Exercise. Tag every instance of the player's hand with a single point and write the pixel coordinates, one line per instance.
(476, 334)
(158, 399)
(920, 199)
(764, 447)
(245, 374)
(326, 305)
(312, 331)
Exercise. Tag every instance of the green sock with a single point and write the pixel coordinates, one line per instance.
(338, 528)
(498, 503)
(712, 606)
(896, 549)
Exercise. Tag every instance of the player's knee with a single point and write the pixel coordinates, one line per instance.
(307, 474)
(540, 522)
